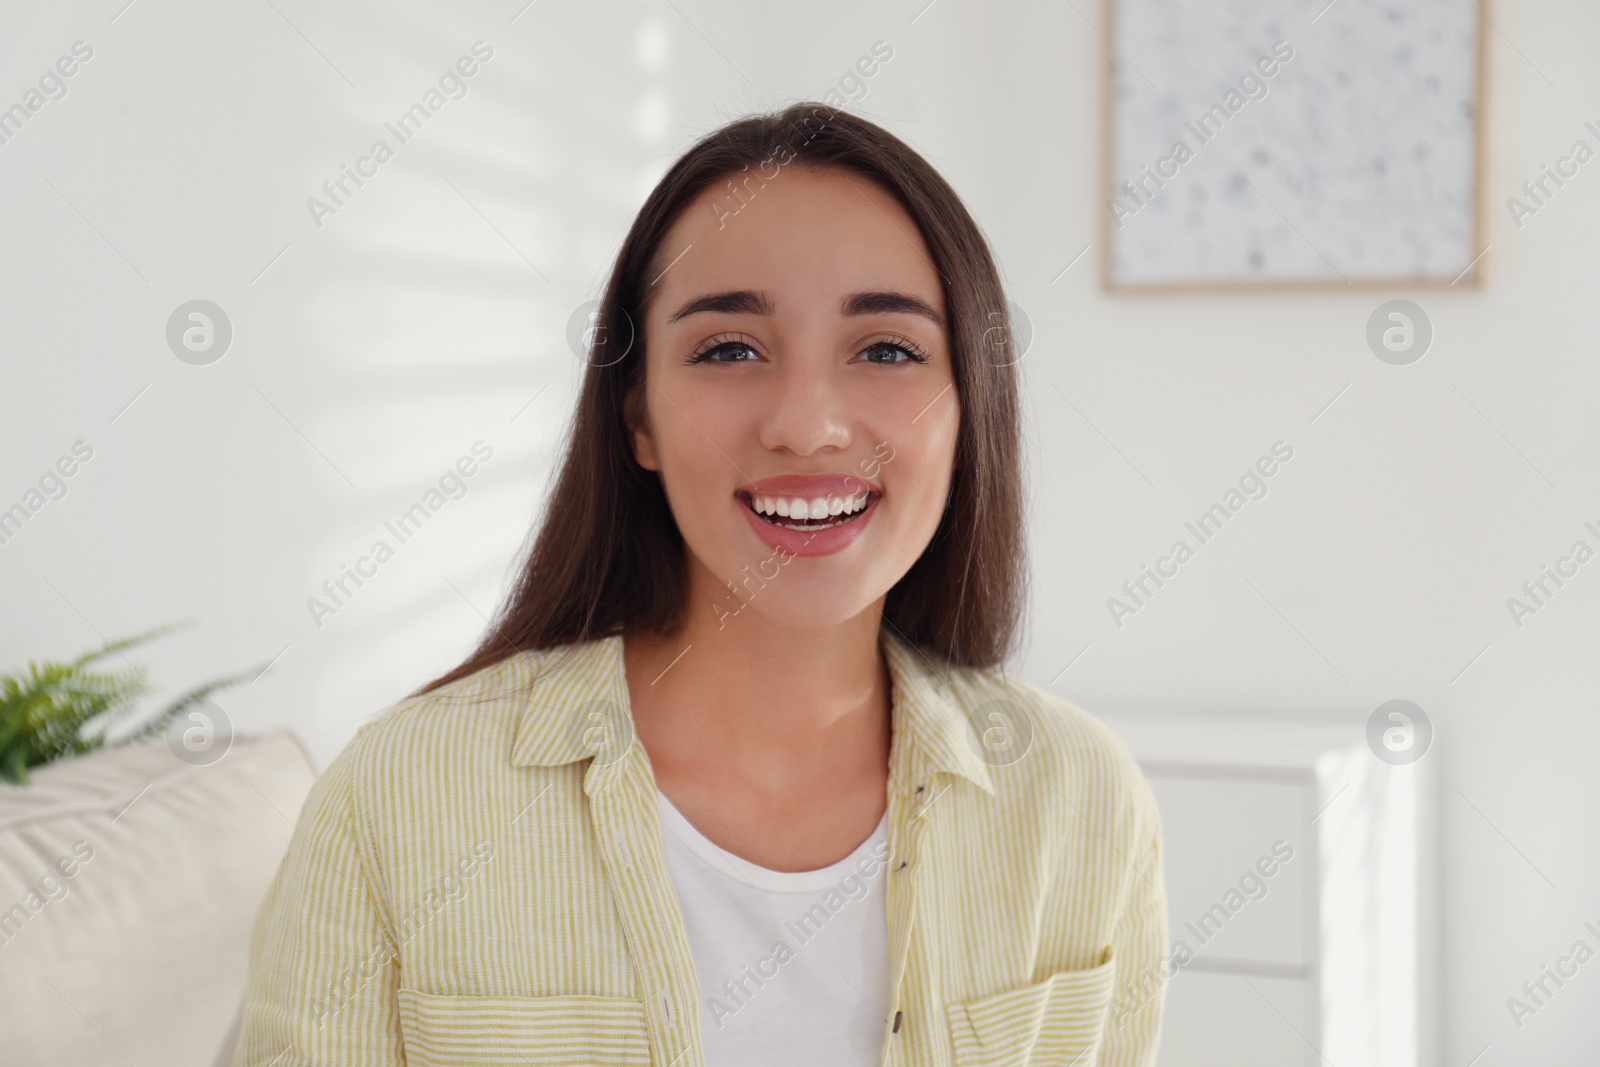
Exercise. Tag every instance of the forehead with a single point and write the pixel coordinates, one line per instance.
(805, 236)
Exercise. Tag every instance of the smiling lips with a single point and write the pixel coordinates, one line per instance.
(808, 502)
(809, 514)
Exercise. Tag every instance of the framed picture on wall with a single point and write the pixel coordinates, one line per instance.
(1277, 143)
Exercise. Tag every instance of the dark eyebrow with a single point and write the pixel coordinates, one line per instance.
(745, 301)
(889, 303)
(757, 302)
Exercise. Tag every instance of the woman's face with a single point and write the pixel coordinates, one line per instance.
(798, 365)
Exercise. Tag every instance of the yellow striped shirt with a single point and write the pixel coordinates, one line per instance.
(477, 878)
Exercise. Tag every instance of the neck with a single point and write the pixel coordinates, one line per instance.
(784, 708)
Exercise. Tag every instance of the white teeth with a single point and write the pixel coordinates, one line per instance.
(818, 508)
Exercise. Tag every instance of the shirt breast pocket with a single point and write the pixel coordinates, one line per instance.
(1057, 1022)
(472, 1031)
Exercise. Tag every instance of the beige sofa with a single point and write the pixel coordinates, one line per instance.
(129, 881)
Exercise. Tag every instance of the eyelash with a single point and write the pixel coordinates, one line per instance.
(714, 344)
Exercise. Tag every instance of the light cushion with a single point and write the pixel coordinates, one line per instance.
(129, 881)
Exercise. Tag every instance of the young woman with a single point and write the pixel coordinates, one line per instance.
(734, 778)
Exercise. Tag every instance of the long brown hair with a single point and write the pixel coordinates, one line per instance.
(608, 557)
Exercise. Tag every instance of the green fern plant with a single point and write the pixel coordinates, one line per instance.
(58, 710)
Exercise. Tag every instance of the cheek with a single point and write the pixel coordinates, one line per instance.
(701, 423)
(931, 436)
(695, 441)
(918, 470)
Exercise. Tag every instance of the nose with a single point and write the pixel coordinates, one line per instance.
(809, 408)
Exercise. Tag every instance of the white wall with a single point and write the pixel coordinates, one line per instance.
(429, 310)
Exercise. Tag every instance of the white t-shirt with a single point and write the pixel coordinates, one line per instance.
(793, 966)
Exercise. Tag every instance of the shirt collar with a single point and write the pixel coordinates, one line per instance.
(579, 707)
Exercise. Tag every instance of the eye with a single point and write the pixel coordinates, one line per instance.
(888, 350)
(722, 349)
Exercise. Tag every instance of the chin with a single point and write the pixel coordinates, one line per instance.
(804, 603)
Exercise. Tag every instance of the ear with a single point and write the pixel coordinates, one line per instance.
(636, 416)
